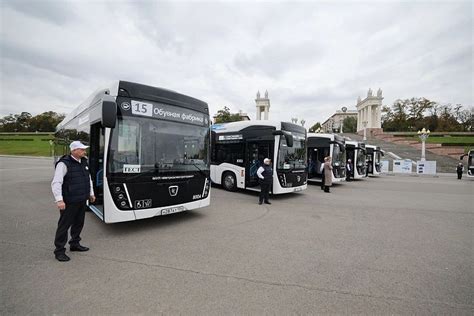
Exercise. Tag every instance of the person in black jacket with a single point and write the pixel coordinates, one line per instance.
(459, 170)
(349, 170)
(72, 187)
(265, 175)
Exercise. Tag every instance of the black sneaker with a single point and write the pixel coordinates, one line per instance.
(62, 257)
(267, 202)
(260, 203)
(79, 248)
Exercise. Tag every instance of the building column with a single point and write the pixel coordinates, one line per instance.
(369, 116)
(258, 113)
(358, 120)
(266, 113)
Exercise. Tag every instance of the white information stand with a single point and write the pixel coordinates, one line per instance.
(402, 166)
(426, 167)
(385, 164)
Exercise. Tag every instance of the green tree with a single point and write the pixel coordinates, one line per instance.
(224, 116)
(315, 127)
(46, 122)
(15, 122)
(349, 124)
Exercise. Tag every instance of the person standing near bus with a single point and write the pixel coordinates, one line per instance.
(327, 174)
(459, 170)
(265, 175)
(72, 187)
(349, 170)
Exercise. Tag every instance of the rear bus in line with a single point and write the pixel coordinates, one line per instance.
(238, 150)
(470, 162)
(323, 145)
(355, 151)
(149, 150)
(373, 159)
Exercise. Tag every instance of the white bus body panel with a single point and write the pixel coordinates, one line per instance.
(113, 215)
(218, 170)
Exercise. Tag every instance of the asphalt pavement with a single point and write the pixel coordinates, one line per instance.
(385, 245)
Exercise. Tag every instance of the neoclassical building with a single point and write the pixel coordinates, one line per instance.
(334, 123)
(263, 105)
(369, 112)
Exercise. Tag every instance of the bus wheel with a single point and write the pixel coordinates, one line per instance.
(229, 182)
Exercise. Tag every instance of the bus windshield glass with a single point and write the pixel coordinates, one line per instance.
(360, 158)
(378, 157)
(338, 153)
(141, 144)
(292, 157)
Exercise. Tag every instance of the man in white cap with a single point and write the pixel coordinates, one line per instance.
(265, 175)
(72, 187)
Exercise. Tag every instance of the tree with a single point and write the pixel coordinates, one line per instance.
(349, 124)
(224, 116)
(46, 122)
(315, 127)
(15, 122)
(25, 122)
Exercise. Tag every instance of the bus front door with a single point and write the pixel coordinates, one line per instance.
(256, 152)
(96, 161)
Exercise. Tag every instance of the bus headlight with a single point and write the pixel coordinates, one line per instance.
(207, 186)
(119, 195)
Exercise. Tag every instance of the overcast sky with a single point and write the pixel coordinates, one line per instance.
(312, 57)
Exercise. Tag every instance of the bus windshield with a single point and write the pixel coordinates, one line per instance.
(292, 157)
(143, 144)
(360, 158)
(338, 154)
(378, 157)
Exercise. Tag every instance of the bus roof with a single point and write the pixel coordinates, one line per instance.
(240, 125)
(135, 90)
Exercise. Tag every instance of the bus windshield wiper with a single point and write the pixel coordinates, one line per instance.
(200, 170)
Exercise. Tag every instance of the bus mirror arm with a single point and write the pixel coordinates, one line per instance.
(109, 111)
(288, 137)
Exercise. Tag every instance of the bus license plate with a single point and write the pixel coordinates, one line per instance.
(172, 210)
(297, 189)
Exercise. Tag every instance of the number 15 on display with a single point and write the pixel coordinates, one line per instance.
(142, 108)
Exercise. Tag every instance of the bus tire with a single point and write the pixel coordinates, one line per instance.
(229, 182)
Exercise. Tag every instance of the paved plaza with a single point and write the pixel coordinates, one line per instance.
(385, 245)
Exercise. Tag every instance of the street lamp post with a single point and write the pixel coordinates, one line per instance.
(365, 129)
(423, 134)
(344, 109)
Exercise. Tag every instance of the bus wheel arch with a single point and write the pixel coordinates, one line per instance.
(229, 181)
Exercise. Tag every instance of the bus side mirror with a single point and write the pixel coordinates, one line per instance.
(288, 137)
(109, 111)
(289, 140)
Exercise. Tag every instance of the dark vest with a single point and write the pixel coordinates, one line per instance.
(76, 184)
(267, 174)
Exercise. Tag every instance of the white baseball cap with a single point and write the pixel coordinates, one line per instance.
(266, 160)
(77, 145)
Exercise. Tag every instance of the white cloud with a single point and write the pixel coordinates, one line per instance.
(312, 57)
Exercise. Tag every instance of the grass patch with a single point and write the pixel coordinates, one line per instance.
(27, 145)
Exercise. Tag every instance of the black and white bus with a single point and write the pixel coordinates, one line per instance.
(470, 162)
(323, 145)
(373, 156)
(149, 150)
(238, 150)
(355, 151)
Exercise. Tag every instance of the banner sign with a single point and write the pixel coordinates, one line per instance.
(426, 167)
(402, 166)
(384, 166)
